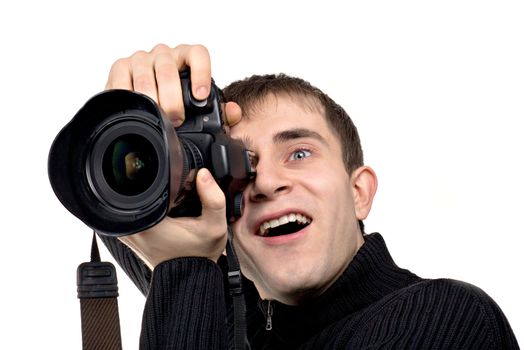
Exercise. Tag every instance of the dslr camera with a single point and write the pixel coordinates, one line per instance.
(120, 166)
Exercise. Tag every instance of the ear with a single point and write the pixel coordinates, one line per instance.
(364, 184)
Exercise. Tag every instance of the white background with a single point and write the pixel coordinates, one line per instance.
(436, 89)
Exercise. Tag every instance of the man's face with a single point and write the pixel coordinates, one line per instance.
(301, 179)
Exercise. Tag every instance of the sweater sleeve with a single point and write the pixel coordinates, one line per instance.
(465, 317)
(132, 265)
(497, 323)
(185, 307)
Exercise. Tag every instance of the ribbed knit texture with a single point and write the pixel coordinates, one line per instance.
(373, 305)
(185, 307)
(135, 268)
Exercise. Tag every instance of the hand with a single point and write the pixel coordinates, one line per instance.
(204, 236)
(156, 74)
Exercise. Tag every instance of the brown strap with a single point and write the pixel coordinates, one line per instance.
(100, 324)
(98, 292)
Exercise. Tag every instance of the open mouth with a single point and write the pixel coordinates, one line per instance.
(284, 225)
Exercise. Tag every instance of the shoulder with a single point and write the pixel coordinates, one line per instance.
(451, 290)
(459, 298)
(441, 313)
(467, 310)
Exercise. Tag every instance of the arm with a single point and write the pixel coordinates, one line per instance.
(133, 266)
(185, 307)
(500, 329)
(174, 262)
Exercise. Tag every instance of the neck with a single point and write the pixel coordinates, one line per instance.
(371, 275)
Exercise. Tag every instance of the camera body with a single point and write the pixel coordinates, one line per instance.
(121, 167)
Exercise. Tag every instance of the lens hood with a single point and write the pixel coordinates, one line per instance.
(76, 169)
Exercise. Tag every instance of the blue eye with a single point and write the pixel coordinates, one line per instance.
(300, 154)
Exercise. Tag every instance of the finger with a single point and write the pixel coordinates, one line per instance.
(120, 76)
(196, 57)
(211, 196)
(233, 113)
(143, 74)
(168, 87)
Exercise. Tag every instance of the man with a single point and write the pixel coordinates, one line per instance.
(313, 279)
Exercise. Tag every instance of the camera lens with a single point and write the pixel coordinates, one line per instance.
(130, 165)
(121, 167)
(124, 168)
(118, 165)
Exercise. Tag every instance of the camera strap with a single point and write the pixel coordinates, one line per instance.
(236, 292)
(98, 292)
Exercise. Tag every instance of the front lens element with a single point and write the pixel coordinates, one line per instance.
(130, 165)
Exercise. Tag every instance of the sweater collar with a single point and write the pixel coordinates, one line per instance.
(371, 275)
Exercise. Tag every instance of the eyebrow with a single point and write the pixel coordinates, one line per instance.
(297, 133)
(284, 136)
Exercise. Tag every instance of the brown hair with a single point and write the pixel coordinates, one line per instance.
(249, 92)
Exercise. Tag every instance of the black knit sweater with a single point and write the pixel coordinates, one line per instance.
(373, 305)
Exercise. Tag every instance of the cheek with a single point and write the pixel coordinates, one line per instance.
(240, 239)
(244, 256)
(337, 200)
(239, 225)
(332, 186)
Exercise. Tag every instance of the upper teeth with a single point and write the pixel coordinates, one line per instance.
(283, 220)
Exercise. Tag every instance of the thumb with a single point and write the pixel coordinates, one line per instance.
(233, 113)
(211, 196)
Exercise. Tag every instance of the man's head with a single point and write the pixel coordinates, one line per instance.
(300, 227)
(248, 93)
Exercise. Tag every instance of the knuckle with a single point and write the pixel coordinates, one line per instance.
(180, 47)
(158, 48)
(218, 232)
(218, 200)
(139, 56)
(120, 64)
(198, 50)
(218, 203)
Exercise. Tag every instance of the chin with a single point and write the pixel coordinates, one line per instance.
(294, 295)
(291, 288)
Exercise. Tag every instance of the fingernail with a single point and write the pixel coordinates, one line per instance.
(201, 93)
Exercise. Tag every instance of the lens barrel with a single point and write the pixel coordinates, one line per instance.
(117, 163)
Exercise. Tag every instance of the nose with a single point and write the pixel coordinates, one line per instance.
(270, 182)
